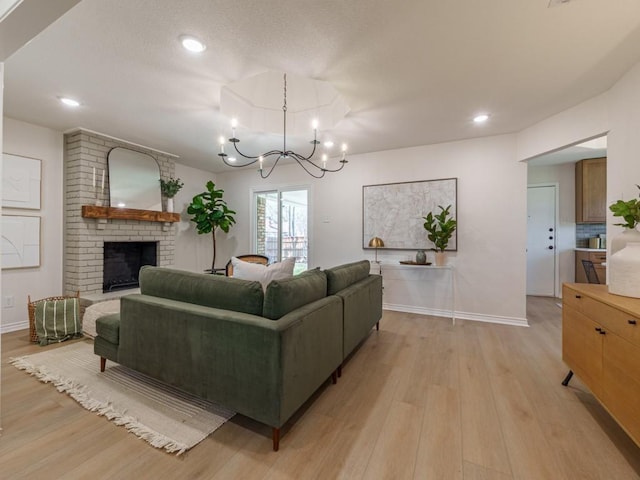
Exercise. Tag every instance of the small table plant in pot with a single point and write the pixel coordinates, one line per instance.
(440, 228)
(169, 189)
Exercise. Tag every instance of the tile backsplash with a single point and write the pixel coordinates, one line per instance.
(585, 231)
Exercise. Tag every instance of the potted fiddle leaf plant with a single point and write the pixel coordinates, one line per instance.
(169, 189)
(440, 228)
(210, 212)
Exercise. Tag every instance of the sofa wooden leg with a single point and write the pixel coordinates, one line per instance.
(103, 363)
(377, 325)
(275, 436)
(339, 370)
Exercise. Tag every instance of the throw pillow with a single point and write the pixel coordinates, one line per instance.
(57, 320)
(263, 273)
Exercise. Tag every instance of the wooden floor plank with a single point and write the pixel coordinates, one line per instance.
(420, 398)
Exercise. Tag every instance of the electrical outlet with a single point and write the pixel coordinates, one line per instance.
(8, 301)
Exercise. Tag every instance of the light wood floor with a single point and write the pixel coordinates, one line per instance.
(421, 399)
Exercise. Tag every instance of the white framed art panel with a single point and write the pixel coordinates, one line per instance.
(21, 179)
(20, 242)
(394, 212)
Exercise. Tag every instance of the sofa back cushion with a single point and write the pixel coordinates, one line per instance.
(284, 296)
(202, 289)
(342, 276)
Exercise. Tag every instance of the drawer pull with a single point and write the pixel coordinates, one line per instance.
(598, 329)
(602, 332)
(578, 296)
(632, 322)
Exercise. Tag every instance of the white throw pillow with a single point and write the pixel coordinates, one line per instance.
(263, 273)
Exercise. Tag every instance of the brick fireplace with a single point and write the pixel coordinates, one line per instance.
(85, 237)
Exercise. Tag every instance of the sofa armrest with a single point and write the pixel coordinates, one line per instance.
(264, 369)
(362, 309)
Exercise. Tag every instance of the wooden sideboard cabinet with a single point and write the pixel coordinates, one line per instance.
(591, 191)
(601, 345)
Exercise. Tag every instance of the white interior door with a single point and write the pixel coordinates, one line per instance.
(541, 240)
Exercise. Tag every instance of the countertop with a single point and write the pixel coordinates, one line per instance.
(590, 249)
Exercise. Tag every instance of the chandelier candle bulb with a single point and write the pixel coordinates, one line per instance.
(324, 161)
(260, 161)
(221, 140)
(314, 123)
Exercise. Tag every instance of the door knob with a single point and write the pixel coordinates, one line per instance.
(632, 322)
(550, 247)
(550, 238)
(551, 229)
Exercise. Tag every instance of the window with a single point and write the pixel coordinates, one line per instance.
(282, 225)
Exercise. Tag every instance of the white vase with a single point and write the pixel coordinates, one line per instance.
(441, 259)
(620, 241)
(169, 204)
(624, 271)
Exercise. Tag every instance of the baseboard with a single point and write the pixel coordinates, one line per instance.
(12, 327)
(476, 317)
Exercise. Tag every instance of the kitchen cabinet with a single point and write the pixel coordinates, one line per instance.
(591, 190)
(598, 258)
(601, 345)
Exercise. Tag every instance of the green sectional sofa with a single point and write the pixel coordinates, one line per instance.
(259, 353)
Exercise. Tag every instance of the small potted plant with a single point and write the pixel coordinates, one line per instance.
(440, 228)
(169, 189)
(630, 213)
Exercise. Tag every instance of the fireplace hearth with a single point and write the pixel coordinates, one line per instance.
(122, 262)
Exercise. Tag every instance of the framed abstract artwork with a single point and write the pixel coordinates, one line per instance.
(20, 241)
(20, 182)
(394, 211)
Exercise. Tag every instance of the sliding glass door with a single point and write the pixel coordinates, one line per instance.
(281, 219)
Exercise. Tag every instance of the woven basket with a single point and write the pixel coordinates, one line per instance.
(31, 308)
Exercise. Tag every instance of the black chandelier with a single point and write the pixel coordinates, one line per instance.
(307, 163)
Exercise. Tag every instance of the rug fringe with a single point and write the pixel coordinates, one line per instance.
(78, 393)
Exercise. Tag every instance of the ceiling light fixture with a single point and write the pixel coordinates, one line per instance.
(481, 118)
(192, 44)
(307, 163)
(70, 102)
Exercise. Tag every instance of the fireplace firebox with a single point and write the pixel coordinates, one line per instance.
(122, 262)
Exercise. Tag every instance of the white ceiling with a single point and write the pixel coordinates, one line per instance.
(413, 72)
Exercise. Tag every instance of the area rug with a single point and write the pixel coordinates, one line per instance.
(163, 416)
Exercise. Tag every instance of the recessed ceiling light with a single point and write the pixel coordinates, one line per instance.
(481, 118)
(192, 44)
(70, 102)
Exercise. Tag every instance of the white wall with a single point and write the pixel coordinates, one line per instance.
(193, 252)
(45, 144)
(564, 176)
(490, 261)
(616, 111)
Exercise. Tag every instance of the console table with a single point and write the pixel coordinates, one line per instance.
(601, 344)
(399, 278)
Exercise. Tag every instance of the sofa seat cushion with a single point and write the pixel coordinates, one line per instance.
(108, 328)
(202, 289)
(341, 277)
(284, 296)
(264, 274)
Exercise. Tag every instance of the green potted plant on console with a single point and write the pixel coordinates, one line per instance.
(440, 228)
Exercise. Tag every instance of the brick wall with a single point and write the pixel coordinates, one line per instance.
(85, 237)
